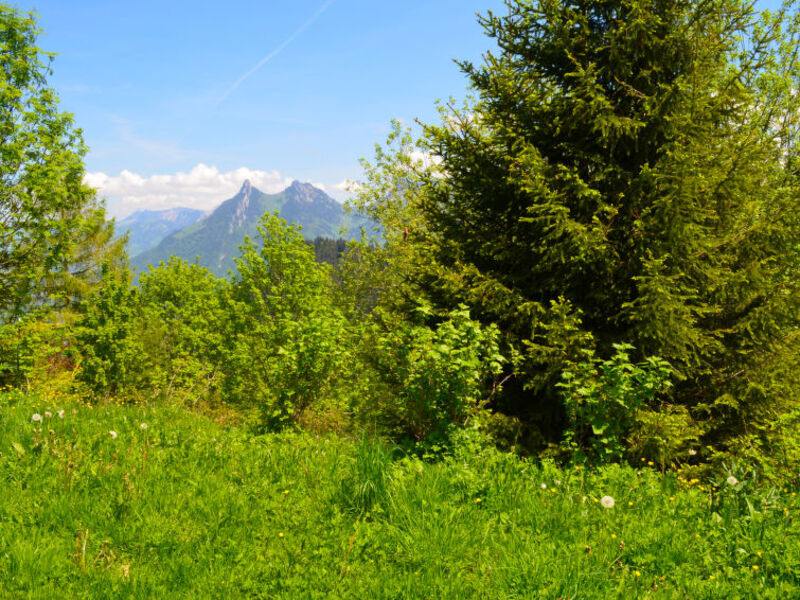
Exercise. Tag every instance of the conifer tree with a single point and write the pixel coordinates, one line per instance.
(627, 173)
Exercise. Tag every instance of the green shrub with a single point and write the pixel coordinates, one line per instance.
(288, 347)
(161, 340)
(436, 376)
(182, 323)
(603, 398)
(666, 436)
(112, 358)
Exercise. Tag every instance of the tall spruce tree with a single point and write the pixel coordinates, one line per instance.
(627, 173)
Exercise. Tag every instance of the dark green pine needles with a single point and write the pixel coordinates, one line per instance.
(628, 173)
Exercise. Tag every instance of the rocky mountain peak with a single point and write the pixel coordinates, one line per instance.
(305, 191)
(243, 198)
(246, 189)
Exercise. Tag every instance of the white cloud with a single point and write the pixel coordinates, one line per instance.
(204, 187)
(345, 187)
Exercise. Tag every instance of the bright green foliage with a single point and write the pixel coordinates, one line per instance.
(436, 375)
(188, 509)
(34, 347)
(602, 400)
(20, 342)
(53, 234)
(162, 340)
(183, 325)
(287, 347)
(627, 174)
(112, 357)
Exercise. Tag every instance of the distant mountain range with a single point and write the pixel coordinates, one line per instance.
(146, 228)
(214, 240)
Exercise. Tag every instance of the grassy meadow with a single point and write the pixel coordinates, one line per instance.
(174, 505)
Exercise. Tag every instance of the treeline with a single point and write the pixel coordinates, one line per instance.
(596, 259)
(328, 250)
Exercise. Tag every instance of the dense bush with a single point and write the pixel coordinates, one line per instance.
(160, 340)
(183, 325)
(436, 376)
(288, 346)
(113, 360)
(604, 397)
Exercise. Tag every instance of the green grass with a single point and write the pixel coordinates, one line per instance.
(189, 509)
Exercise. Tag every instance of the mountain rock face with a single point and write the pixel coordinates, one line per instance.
(146, 228)
(214, 241)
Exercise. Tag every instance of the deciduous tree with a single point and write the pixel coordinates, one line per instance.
(53, 232)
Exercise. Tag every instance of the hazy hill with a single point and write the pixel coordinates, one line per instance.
(146, 228)
(216, 238)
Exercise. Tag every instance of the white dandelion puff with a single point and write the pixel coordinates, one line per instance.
(143, 425)
(732, 480)
(113, 434)
(607, 502)
(61, 414)
(36, 418)
(48, 414)
(544, 486)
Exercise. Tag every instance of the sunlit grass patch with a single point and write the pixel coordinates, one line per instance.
(177, 506)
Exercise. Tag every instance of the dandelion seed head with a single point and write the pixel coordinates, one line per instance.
(544, 486)
(48, 414)
(143, 425)
(113, 434)
(607, 502)
(36, 418)
(732, 480)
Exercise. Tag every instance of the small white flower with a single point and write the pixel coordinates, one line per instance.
(692, 452)
(557, 482)
(544, 486)
(36, 418)
(113, 434)
(143, 425)
(61, 414)
(48, 414)
(607, 502)
(732, 480)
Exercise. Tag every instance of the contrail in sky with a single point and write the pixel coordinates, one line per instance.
(276, 51)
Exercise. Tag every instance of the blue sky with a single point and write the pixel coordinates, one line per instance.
(153, 85)
(181, 100)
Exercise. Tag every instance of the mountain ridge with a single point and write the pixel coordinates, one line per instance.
(214, 240)
(146, 228)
